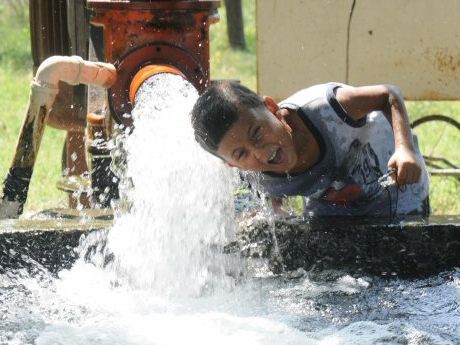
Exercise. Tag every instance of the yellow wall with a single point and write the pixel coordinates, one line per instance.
(414, 44)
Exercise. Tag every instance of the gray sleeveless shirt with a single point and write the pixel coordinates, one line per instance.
(353, 155)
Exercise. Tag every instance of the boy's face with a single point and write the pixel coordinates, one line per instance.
(260, 140)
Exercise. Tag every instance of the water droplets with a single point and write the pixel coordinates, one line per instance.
(180, 197)
(74, 156)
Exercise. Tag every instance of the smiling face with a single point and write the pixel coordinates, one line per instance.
(260, 140)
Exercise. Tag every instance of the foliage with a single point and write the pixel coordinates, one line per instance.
(15, 76)
(14, 30)
(226, 63)
(17, 8)
(439, 139)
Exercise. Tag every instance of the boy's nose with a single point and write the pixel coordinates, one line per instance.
(260, 154)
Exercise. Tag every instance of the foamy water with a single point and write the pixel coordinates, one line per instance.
(84, 307)
(182, 202)
(160, 276)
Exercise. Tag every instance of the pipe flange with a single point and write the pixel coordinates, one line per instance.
(157, 53)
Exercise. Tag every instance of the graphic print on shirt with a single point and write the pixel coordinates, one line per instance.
(357, 177)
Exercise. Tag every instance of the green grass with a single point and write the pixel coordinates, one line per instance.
(227, 63)
(440, 140)
(15, 77)
(15, 41)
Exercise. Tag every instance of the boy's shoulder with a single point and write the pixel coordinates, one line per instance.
(310, 94)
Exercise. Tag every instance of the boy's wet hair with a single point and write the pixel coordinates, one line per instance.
(218, 108)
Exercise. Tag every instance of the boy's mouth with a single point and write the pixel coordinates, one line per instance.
(276, 156)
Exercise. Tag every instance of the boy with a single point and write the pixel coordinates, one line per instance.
(331, 143)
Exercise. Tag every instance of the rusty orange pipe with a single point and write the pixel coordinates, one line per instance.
(145, 73)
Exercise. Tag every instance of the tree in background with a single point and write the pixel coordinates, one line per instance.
(235, 24)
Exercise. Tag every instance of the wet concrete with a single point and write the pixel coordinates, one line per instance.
(43, 243)
(410, 248)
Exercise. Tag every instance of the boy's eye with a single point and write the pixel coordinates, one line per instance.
(240, 154)
(257, 134)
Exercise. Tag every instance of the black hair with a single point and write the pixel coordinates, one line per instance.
(218, 108)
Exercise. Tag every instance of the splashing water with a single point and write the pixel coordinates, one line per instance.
(167, 282)
(181, 212)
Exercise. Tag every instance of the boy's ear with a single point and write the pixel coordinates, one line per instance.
(271, 104)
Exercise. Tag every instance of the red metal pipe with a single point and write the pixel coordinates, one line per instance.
(162, 32)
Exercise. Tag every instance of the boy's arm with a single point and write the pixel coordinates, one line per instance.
(359, 101)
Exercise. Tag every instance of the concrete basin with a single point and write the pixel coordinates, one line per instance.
(410, 248)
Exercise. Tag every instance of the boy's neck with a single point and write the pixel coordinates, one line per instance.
(307, 147)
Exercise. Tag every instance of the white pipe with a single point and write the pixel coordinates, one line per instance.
(74, 70)
(45, 86)
(70, 69)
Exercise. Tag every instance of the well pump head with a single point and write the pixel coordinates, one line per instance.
(137, 34)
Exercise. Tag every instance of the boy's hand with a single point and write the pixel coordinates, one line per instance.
(277, 204)
(408, 170)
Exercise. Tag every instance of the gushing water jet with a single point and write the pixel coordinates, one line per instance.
(141, 39)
